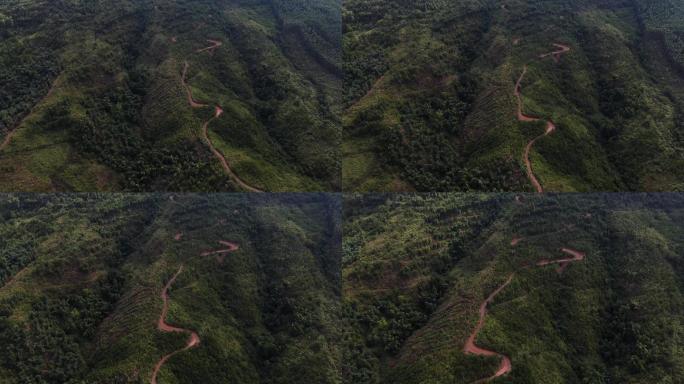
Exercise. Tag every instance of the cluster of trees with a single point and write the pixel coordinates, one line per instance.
(389, 320)
(48, 349)
(48, 344)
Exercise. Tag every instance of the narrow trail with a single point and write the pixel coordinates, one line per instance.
(163, 326)
(232, 247)
(218, 111)
(563, 263)
(470, 347)
(556, 54)
(550, 126)
(191, 100)
(224, 163)
(215, 44)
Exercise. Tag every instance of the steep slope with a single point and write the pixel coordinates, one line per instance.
(431, 95)
(164, 288)
(484, 288)
(117, 116)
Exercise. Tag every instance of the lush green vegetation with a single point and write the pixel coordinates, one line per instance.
(81, 276)
(110, 73)
(417, 267)
(429, 101)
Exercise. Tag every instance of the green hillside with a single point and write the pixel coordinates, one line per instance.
(93, 98)
(430, 102)
(81, 278)
(417, 268)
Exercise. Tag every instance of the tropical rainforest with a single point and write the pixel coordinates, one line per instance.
(162, 288)
(463, 288)
(513, 95)
(170, 95)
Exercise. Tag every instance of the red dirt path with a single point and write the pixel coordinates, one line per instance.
(563, 263)
(471, 348)
(224, 163)
(550, 126)
(232, 247)
(215, 44)
(217, 113)
(191, 100)
(556, 54)
(163, 326)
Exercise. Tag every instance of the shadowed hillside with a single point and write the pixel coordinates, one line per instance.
(251, 289)
(458, 288)
(210, 95)
(431, 96)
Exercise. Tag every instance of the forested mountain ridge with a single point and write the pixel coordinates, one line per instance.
(431, 101)
(252, 288)
(97, 95)
(575, 288)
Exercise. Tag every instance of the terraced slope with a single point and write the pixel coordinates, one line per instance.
(169, 289)
(94, 95)
(482, 288)
(431, 104)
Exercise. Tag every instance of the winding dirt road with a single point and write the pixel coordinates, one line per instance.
(218, 111)
(563, 263)
(215, 44)
(556, 54)
(471, 348)
(224, 163)
(191, 100)
(163, 326)
(550, 126)
(232, 247)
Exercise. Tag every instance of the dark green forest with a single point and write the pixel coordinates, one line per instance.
(430, 106)
(416, 268)
(92, 96)
(81, 276)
